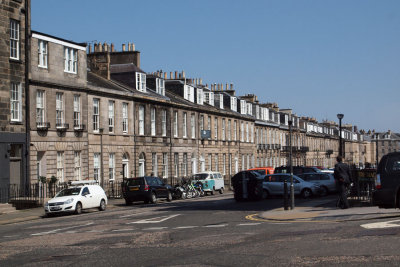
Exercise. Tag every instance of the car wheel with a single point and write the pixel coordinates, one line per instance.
(128, 202)
(324, 191)
(78, 208)
(153, 198)
(306, 193)
(265, 194)
(102, 206)
(221, 191)
(169, 197)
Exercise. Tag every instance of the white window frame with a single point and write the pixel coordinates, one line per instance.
(200, 97)
(14, 39)
(96, 166)
(252, 133)
(111, 116)
(209, 122)
(164, 165)
(210, 162)
(185, 164)
(96, 115)
(140, 82)
(216, 128)
(141, 120)
(16, 102)
(59, 109)
(223, 129)
(153, 121)
(233, 103)
(193, 125)
(111, 166)
(234, 130)
(224, 164)
(164, 122)
(241, 131)
(216, 167)
(160, 86)
(175, 123)
(42, 53)
(40, 107)
(77, 111)
(60, 166)
(176, 164)
(125, 117)
(247, 132)
(77, 165)
(229, 130)
(70, 60)
(184, 126)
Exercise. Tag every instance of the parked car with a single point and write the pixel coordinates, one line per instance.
(146, 188)
(263, 170)
(212, 181)
(273, 185)
(326, 180)
(387, 184)
(247, 185)
(296, 169)
(79, 196)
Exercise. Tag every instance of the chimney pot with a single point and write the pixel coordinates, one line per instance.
(165, 75)
(100, 47)
(226, 88)
(201, 81)
(132, 47)
(112, 47)
(183, 74)
(180, 75)
(105, 47)
(90, 48)
(176, 75)
(170, 75)
(123, 47)
(231, 86)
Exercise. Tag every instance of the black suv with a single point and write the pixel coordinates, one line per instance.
(146, 188)
(296, 169)
(387, 192)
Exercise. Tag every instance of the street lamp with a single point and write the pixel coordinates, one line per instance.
(291, 165)
(340, 117)
(101, 158)
(376, 149)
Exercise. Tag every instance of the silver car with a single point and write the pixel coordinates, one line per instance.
(273, 185)
(326, 180)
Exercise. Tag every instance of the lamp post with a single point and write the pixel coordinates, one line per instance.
(291, 165)
(376, 149)
(101, 159)
(340, 117)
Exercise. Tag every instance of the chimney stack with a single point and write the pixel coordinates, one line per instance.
(176, 75)
(231, 86)
(123, 47)
(112, 47)
(105, 47)
(165, 76)
(170, 76)
(183, 74)
(90, 49)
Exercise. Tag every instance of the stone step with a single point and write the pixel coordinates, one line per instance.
(6, 208)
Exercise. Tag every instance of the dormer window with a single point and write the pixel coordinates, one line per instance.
(200, 98)
(188, 93)
(140, 82)
(221, 101)
(249, 109)
(160, 86)
(233, 103)
(257, 112)
(209, 98)
(243, 107)
(70, 60)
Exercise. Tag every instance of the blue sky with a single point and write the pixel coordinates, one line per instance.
(317, 57)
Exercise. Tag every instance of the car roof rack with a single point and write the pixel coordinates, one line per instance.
(84, 182)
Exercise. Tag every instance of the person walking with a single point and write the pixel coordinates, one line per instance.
(343, 179)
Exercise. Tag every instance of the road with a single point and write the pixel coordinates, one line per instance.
(210, 231)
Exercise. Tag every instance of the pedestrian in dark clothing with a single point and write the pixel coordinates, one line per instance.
(343, 179)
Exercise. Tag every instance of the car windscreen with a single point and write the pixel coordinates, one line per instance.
(262, 172)
(69, 192)
(135, 181)
(200, 176)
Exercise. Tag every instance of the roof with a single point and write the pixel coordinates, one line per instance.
(123, 68)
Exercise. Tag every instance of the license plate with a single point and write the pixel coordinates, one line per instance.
(133, 188)
(55, 208)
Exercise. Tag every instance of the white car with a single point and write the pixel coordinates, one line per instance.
(76, 198)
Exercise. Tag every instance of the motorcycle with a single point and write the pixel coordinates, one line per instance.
(179, 192)
(199, 187)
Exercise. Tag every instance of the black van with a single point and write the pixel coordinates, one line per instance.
(387, 192)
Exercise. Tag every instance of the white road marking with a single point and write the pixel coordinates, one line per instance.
(123, 230)
(71, 232)
(10, 236)
(380, 225)
(95, 231)
(62, 229)
(155, 228)
(185, 227)
(215, 225)
(156, 219)
(280, 223)
(248, 224)
(130, 215)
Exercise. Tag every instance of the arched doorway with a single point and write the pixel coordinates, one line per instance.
(125, 165)
(142, 164)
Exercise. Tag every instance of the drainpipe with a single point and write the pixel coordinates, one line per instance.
(27, 102)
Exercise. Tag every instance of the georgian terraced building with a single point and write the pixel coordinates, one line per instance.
(98, 115)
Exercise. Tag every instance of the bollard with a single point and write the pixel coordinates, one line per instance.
(285, 196)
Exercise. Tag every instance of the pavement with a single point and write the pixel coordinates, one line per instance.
(315, 210)
(325, 210)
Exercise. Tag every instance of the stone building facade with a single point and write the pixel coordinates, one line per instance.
(14, 29)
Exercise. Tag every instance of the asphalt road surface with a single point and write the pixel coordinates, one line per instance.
(209, 231)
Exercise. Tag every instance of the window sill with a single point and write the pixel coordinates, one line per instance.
(42, 67)
(14, 60)
(16, 122)
(70, 72)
